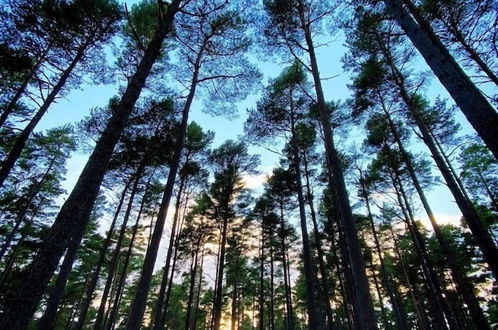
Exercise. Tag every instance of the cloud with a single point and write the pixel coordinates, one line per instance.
(255, 181)
(443, 219)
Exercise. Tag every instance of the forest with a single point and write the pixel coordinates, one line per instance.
(196, 164)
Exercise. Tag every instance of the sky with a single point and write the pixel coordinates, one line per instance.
(77, 104)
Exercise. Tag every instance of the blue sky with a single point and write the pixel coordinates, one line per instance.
(77, 104)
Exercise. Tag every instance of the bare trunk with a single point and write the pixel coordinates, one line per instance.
(395, 303)
(381, 299)
(439, 307)
(272, 286)
(235, 294)
(325, 294)
(421, 317)
(139, 302)
(219, 284)
(463, 286)
(193, 273)
(316, 321)
(288, 295)
(122, 278)
(48, 319)
(159, 305)
(199, 290)
(362, 301)
(99, 322)
(261, 302)
(90, 288)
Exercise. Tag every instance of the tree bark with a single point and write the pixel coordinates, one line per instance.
(235, 294)
(316, 321)
(90, 288)
(325, 294)
(139, 302)
(439, 305)
(288, 295)
(261, 300)
(158, 308)
(362, 301)
(122, 278)
(467, 96)
(398, 310)
(199, 290)
(379, 295)
(99, 322)
(48, 319)
(421, 318)
(470, 215)
(219, 284)
(170, 283)
(74, 214)
(463, 286)
(193, 273)
(272, 286)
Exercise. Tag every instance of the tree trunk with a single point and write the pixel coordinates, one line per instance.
(316, 321)
(467, 96)
(261, 301)
(90, 288)
(122, 278)
(20, 91)
(158, 308)
(439, 305)
(113, 267)
(193, 273)
(139, 302)
(20, 218)
(362, 301)
(235, 295)
(272, 286)
(396, 305)
(74, 214)
(379, 294)
(288, 295)
(20, 143)
(216, 278)
(421, 318)
(340, 274)
(170, 283)
(463, 286)
(219, 284)
(325, 294)
(199, 290)
(48, 319)
(470, 215)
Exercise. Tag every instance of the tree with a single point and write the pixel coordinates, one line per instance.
(469, 99)
(230, 162)
(290, 26)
